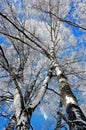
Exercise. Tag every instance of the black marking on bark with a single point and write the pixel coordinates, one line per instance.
(76, 117)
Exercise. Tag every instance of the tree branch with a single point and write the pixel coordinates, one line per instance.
(22, 31)
(54, 91)
(61, 19)
(34, 103)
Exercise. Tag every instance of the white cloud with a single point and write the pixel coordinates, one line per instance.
(44, 113)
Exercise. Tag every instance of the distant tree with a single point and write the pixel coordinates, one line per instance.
(42, 60)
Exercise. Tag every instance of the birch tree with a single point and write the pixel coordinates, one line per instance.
(41, 35)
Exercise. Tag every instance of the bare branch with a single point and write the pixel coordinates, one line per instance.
(54, 91)
(61, 19)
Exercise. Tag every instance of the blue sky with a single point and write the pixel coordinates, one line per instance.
(39, 122)
(38, 119)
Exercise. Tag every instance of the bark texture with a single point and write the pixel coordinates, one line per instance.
(23, 113)
(24, 121)
(76, 118)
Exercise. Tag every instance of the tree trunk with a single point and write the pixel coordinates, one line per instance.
(22, 115)
(74, 113)
(77, 120)
(23, 122)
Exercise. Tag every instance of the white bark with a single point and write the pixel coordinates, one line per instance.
(62, 80)
(20, 111)
(74, 113)
(24, 121)
(41, 91)
(17, 104)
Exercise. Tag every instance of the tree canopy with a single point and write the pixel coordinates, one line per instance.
(43, 63)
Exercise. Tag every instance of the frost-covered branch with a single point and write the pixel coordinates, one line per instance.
(28, 37)
(59, 18)
(29, 91)
(41, 91)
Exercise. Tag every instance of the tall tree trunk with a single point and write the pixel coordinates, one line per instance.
(74, 113)
(23, 122)
(22, 115)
